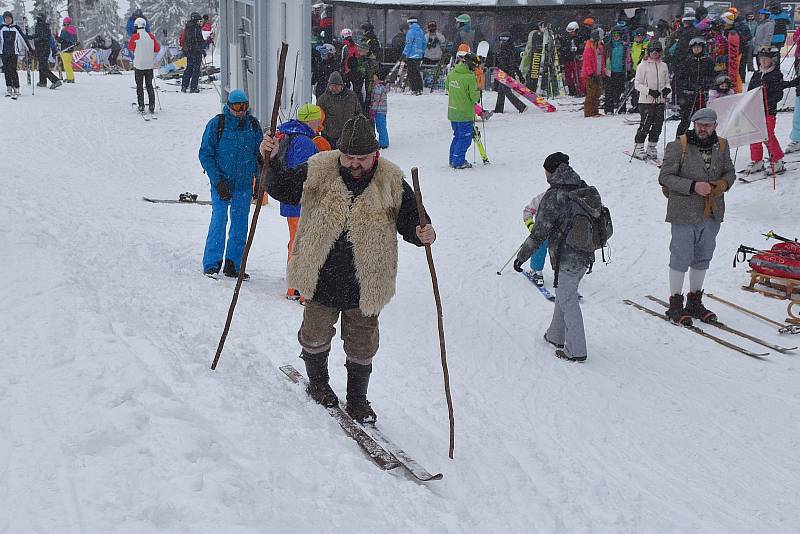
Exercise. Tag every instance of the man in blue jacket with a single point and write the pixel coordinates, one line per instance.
(782, 23)
(130, 26)
(414, 52)
(229, 155)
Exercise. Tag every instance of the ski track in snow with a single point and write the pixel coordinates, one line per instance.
(111, 420)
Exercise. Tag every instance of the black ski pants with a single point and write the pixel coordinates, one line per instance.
(191, 76)
(10, 70)
(614, 86)
(414, 75)
(145, 77)
(43, 57)
(356, 82)
(689, 102)
(651, 123)
(503, 92)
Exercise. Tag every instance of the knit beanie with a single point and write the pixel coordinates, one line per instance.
(335, 78)
(358, 137)
(555, 159)
(309, 112)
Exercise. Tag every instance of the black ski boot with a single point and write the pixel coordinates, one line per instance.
(695, 308)
(318, 387)
(677, 313)
(357, 383)
(230, 271)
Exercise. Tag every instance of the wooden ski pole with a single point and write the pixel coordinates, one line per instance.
(437, 297)
(273, 124)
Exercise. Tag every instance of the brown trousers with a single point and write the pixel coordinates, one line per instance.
(592, 101)
(359, 332)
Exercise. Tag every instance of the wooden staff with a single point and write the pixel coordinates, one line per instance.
(260, 196)
(437, 297)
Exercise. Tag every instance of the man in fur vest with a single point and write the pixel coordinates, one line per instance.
(344, 257)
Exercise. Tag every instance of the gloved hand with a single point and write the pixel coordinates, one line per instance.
(529, 223)
(665, 92)
(654, 93)
(224, 189)
(518, 265)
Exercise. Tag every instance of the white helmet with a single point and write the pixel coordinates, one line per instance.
(140, 23)
(572, 27)
(345, 33)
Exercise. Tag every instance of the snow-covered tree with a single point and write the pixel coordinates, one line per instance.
(50, 8)
(102, 18)
(167, 17)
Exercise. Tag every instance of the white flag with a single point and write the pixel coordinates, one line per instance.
(741, 118)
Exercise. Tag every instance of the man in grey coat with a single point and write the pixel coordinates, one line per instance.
(764, 31)
(566, 331)
(696, 173)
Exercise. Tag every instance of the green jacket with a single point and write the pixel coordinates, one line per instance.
(463, 94)
(638, 53)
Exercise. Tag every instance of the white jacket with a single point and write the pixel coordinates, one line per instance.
(651, 75)
(144, 56)
(13, 32)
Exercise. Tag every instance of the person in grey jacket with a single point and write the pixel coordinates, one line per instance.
(696, 173)
(764, 31)
(566, 331)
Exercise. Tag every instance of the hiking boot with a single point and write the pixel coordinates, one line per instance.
(357, 383)
(538, 278)
(652, 151)
(318, 387)
(754, 167)
(556, 345)
(194, 90)
(141, 109)
(184, 89)
(794, 146)
(56, 84)
(70, 81)
(639, 151)
(41, 84)
(152, 110)
(564, 355)
(695, 308)
(231, 271)
(677, 313)
(211, 271)
(779, 167)
(465, 165)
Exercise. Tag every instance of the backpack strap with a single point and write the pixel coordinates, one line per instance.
(220, 125)
(684, 142)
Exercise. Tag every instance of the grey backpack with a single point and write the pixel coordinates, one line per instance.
(590, 225)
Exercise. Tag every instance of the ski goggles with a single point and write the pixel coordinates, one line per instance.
(239, 106)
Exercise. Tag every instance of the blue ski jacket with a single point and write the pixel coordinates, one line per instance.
(235, 156)
(415, 42)
(301, 147)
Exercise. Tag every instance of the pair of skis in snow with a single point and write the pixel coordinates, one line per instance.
(369, 437)
(708, 335)
(144, 114)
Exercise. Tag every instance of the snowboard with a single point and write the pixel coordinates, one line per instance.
(523, 91)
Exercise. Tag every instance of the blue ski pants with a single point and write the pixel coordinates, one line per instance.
(239, 206)
(538, 257)
(383, 133)
(462, 138)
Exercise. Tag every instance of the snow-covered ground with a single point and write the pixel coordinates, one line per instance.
(111, 421)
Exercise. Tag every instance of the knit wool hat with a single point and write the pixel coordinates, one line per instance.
(309, 112)
(358, 137)
(237, 96)
(335, 78)
(555, 159)
(705, 116)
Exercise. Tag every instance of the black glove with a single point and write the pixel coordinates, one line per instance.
(518, 265)
(224, 190)
(665, 92)
(654, 93)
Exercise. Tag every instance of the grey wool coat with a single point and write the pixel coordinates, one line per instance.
(684, 206)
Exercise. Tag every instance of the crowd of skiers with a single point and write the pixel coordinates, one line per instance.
(48, 48)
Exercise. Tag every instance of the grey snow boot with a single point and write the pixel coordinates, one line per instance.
(318, 387)
(357, 383)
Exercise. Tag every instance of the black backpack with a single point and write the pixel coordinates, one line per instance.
(221, 125)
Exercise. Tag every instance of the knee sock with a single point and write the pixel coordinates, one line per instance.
(676, 282)
(696, 277)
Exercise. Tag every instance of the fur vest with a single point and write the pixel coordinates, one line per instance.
(370, 220)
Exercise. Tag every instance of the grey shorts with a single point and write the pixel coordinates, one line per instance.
(359, 332)
(693, 245)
